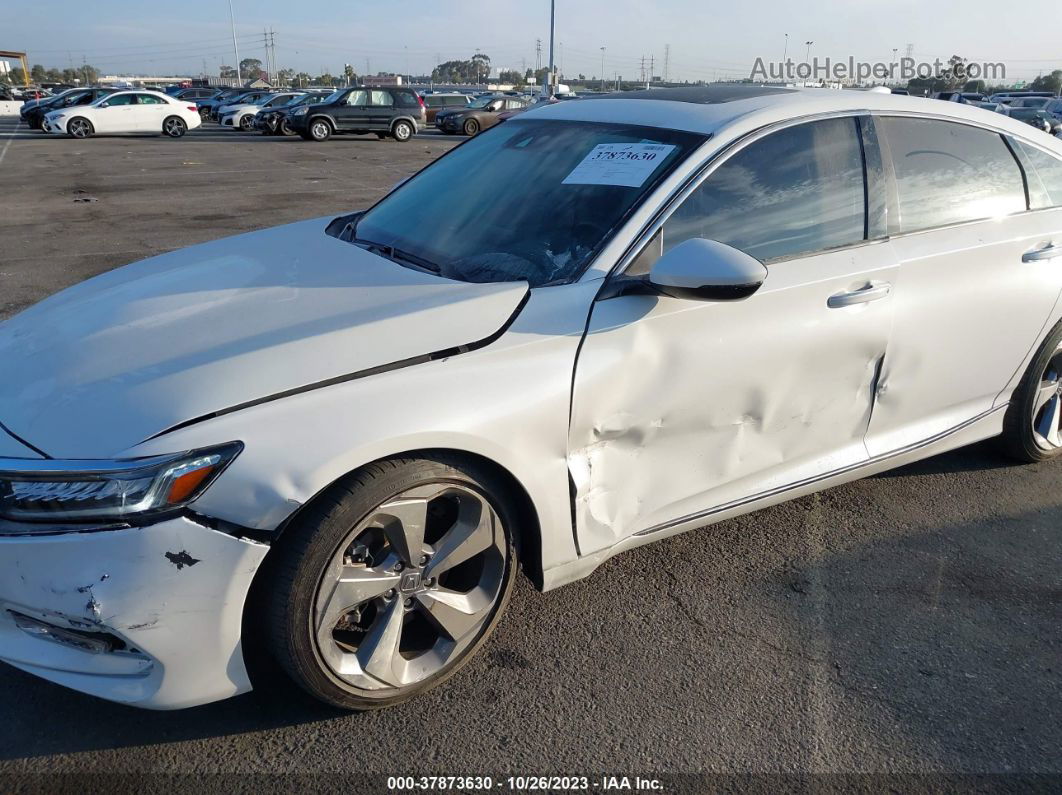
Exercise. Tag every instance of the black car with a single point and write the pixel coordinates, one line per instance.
(274, 121)
(396, 112)
(34, 116)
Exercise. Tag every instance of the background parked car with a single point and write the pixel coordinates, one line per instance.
(433, 103)
(480, 115)
(207, 106)
(241, 116)
(274, 121)
(223, 105)
(125, 112)
(34, 115)
(393, 112)
(1037, 118)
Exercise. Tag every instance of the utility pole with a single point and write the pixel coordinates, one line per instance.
(552, 32)
(602, 69)
(667, 60)
(652, 68)
(235, 46)
(538, 55)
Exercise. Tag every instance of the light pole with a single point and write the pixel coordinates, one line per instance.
(785, 52)
(235, 46)
(602, 69)
(892, 71)
(552, 30)
(807, 59)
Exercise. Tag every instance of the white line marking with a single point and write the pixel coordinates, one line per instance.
(10, 138)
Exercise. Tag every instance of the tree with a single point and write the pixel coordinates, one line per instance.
(251, 68)
(1051, 82)
(325, 80)
(226, 71)
(301, 80)
(37, 73)
(955, 75)
(350, 75)
(510, 76)
(18, 77)
(481, 66)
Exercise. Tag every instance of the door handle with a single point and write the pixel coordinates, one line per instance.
(1042, 254)
(864, 295)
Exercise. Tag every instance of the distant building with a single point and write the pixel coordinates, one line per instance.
(381, 81)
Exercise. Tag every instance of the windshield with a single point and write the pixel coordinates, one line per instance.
(298, 99)
(334, 96)
(482, 102)
(529, 200)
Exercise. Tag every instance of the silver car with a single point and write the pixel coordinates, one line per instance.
(594, 326)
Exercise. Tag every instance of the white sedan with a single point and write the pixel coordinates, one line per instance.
(596, 325)
(126, 112)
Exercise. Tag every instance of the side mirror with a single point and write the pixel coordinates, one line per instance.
(105, 104)
(706, 270)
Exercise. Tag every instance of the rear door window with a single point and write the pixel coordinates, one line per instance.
(381, 99)
(796, 191)
(949, 173)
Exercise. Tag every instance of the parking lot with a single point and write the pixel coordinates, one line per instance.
(908, 623)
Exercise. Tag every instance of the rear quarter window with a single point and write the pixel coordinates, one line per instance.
(1045, 177)
(404, 99)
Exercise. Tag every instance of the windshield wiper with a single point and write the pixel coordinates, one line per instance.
(397, 255)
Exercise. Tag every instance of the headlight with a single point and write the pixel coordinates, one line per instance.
(299, 111)
(65, 491)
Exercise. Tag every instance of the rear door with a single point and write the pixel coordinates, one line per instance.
(970, 300)
(150, 111)
(381, 109)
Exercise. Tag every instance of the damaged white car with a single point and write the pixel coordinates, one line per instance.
(598, 324)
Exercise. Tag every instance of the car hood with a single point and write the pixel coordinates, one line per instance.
(115, 360)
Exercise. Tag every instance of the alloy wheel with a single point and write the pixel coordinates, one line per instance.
(1047, 407)
(80, 128)
(410, 588)
(402, 131)
(173, 127)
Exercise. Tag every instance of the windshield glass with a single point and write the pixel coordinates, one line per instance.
(298, 99)
(482, 102)
(334, 96)
(528, 200)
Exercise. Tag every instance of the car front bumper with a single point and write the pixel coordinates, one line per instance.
(58, 128)
(146, 616)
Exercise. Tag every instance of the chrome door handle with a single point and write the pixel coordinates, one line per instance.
(872, 292)
(1042, 254)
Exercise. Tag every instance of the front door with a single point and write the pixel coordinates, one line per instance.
(351, 113)
(682, 407)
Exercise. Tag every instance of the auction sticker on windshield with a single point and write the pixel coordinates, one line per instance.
(627, 165)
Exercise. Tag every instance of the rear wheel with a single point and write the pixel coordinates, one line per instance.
(174, 126)
(403, 131)
(204, 114)
(1032, 428)
(320, 130)
(391, 580)
(80, 127)
(471, 127)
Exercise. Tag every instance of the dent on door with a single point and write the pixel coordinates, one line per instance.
(682, 405)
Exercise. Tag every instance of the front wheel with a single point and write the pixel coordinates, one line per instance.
(174, 127)
(1032, 427)
(320, 130)
(391, 580)
(285, 128)
(80, 127)
(247, 122)
(403, 131)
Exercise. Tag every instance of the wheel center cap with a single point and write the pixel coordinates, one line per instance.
(410, 582)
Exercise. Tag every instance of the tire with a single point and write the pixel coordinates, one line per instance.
(204, 114)
(247, 122)
(403, 131)
(285, 129)
(382, 594)
(174, 127)
(470, 127)
(1031, 426)
(80, 127)
(319, 130)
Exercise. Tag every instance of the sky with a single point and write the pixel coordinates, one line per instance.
(702, 40)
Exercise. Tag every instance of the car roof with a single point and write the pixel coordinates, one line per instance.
(709, 109)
